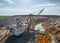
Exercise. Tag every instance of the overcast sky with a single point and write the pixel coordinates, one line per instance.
(19, 7)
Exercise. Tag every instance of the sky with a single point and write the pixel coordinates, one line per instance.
(25, 7)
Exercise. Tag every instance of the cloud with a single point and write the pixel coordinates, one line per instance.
(54, 1)
(21, 11)
(28, 6)
(10, 1)
(0, 4)
(47, 5)
(26, 2)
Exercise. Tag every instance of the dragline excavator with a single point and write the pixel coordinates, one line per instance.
(42, 38)
(30, 15)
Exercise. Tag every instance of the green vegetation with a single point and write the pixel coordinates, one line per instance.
(3, 17)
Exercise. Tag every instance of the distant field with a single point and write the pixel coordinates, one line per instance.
(3, 17)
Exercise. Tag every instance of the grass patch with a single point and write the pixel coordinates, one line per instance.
(3, 17)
